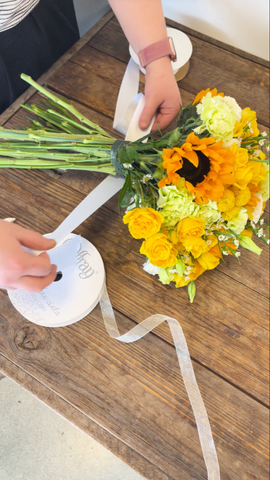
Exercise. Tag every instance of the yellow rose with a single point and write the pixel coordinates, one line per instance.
(143, 222)
(243, 172)
(159, 250)
(190, 227)
(195, 245)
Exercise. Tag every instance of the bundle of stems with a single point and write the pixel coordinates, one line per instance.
(61, 138)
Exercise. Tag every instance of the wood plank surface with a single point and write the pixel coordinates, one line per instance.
(136, 391)
(131, 398)
(224, 330)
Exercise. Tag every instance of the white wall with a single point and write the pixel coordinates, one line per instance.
(241, 23)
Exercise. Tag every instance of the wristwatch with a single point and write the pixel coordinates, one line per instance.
(157, 50)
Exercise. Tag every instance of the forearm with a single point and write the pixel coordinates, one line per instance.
(142, 21)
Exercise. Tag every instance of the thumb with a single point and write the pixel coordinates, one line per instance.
(34, 240)
(147, 114)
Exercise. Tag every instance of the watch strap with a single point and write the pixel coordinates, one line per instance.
(157, 50)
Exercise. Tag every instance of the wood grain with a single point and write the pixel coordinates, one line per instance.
(136, 392)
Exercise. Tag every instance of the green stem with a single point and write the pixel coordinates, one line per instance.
(69, 107)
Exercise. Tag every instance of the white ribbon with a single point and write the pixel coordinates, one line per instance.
(195, 398)
(130, 105)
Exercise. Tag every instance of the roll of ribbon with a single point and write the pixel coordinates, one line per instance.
(183, 48)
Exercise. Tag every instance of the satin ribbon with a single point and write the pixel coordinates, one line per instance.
(194, 395)
(130, 105)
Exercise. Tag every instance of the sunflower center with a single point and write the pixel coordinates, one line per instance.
(192, 174)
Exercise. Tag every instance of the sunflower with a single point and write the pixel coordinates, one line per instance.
(204, 164)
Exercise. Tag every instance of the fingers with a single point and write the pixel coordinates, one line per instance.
(39, 266)
(34, 240)
(148, 113)
(35, 284)
(19, 269)
(164, 115)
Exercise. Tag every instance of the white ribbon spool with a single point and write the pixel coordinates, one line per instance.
(183, 48)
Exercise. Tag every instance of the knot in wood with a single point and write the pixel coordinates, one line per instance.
(28, 338)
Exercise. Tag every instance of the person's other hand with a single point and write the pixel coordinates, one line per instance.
(19, 269)
(162, 95)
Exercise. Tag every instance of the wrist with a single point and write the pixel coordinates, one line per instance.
(161, 65)
(162, 48)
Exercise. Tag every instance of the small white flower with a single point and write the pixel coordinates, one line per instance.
(261, 143)
(127, 165)
(268, 241)
(187, 279)
(172, 270)
(253, 224)
(208, 242)
(146, 178)
(225, 252)
(264, 134)
(221, 238)
(237, 254)
(262, 221)
(236, 243)
(260, 233)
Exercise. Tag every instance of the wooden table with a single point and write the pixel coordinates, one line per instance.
(131, 398)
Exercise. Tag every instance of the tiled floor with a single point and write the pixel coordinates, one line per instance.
(38, 444)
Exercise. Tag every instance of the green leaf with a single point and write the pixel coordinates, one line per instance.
(131, 154)
(126, 186)
(247, 243)
(186, 113)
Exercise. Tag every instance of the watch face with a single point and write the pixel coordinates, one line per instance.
(173, 54)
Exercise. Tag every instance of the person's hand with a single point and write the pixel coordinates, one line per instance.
(162, 95)
(22, 270)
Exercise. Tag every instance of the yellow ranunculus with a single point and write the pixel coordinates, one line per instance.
(143, 222)
(208, 261)
(195, 245)
(190, 227)
(181, 281)
(248, 118)
(159, 250)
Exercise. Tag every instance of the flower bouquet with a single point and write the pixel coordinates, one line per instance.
(192, 195)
